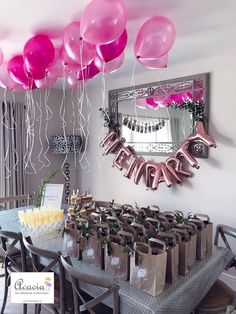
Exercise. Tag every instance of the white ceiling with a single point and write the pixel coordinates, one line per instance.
(204, 28)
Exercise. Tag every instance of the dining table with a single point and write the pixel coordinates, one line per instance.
(181, 297)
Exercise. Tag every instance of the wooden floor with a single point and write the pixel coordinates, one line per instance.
(14, 308)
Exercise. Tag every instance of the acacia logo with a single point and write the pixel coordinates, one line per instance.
(48, 283)
(32, 288)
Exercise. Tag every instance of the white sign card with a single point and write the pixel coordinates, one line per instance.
(52, 195)
(32, 287)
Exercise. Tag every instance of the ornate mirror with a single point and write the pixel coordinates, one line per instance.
(155, 118)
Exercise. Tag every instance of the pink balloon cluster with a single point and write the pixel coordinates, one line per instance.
(165, 101)
(93, 45)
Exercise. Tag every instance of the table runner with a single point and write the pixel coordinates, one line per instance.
(178, 298)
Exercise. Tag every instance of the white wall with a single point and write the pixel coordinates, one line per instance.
(212, 189)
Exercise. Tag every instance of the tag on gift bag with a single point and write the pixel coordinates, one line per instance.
(201, 237)
(209, 231)
(172, 267)
(148, 268)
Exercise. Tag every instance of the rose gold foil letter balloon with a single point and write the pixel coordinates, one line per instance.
(183, 152)
(201, 135)
(155, 173)
(122, 155)
(175, 166)
(110, 137)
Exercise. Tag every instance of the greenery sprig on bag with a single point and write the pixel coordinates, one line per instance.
(179, 217)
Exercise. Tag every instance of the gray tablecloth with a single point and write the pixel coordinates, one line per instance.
(179, 298)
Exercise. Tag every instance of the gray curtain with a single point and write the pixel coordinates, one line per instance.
(13, 148)
(174, 129)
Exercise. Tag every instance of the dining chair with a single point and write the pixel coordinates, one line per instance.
(54, 264)
(14, 260)
(15, 201)
(110, 288)
(220, 296)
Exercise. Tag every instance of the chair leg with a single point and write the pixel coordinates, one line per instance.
(5, 291)
(38, 308)
(116, 303)
(24, 308)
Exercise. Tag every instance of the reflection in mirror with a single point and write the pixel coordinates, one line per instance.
(155, 118)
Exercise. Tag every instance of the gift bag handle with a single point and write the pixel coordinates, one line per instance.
(103, 225)
(113, 237)
(129, 216)
(157, 241)
(183, 232)
(130, 229)
(154, 208)
(138, 245)
(176, 234)
(139, 210)
(203, 216)
(135, 224)
(113, 218)
(162, 217)
(168, 235)
(152, 219)
(193, 225)
(126, 234)
(199, 222)
(169, 213)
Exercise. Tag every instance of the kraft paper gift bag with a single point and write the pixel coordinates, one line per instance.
(201, 238)
(116, 258)
(185, 250)
(71, 241)
(92, 250)
(148, 270)
(172, 267)
(209, 230)
(192, 244)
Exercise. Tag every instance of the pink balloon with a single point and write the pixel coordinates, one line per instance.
(112, 50)
(190, 96)
(33, 73)
(1, 56)
(162, 101)
(151, 103)
(72, 79)
(19, 88)
(31, 86)
(141, 103)
(56, 69)
(16, 70)
(6, 81)
(111, 66)
(155, 38)
(103, 21)
(88, 72)
(38, 53)
(177, 98)
(77, 49)
(158, 63)
(66, 61)
(46, 82)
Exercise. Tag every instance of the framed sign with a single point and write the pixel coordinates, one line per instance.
(52, 195)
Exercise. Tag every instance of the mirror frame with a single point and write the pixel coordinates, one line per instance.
(170, 87)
